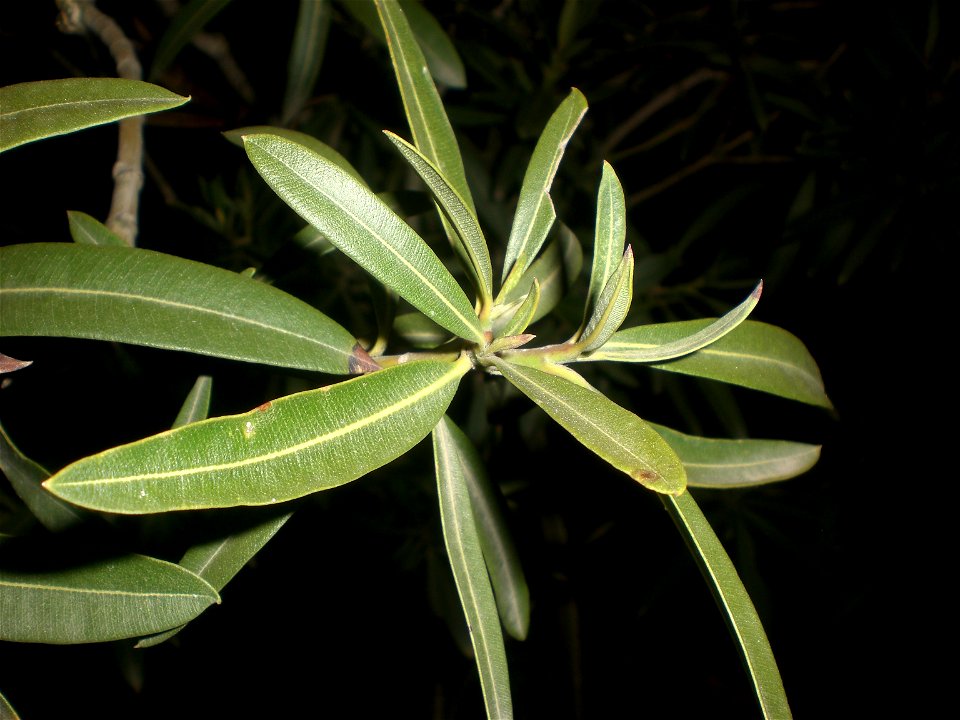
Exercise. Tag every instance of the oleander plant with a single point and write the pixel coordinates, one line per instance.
(460, 323)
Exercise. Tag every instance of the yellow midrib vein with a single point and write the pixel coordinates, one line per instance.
(95, 591)
(9, 116)
(456, 371)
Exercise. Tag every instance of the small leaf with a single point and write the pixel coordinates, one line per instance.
(469, 571)
(723, 463)
(26, 477)
(611, 231)
(197, 405)
(188, 21)
(88, 230)
(755, 355)
(616, 435)
(420, 331)
(147, 298)
(432, 133)
(612, 305)
(301, 138)
(104, 600)
(472, 244)
(285, 449)
(36, 110)
(9, 364)
(306, 55)
(219, 560)
(6, 709)
(625, 348)
(363, 227)
(734, 602)
(525, 313)
(556, 270)
(535, 212)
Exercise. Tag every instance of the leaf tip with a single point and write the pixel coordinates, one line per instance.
(9, 364)
(757, 291)
(360, 362)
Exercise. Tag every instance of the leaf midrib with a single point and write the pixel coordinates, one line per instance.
(171, 303)
(70, 103)
(359, 424)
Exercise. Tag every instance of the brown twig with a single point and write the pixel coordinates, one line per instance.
(80, 16)
(667, 96)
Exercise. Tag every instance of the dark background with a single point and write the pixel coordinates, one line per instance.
(819, 153)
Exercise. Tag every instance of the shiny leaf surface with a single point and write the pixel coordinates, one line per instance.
(87, 230)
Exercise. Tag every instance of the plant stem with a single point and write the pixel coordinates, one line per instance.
(80, 16)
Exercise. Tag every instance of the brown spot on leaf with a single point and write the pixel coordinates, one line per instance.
(360, 362)
(264, 407)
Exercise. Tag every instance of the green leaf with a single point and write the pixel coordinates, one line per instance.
(610, 234)
(87, 230)
(612, 305)
(630, 345)
(754, 355)
(429, 124)
(535, 212)
(103, 600)
(472, 244)
(469, 571)
(734, 602)
(26, 477)
(420, 331)
(556, 270)
(306, 55)
(6, 709)
(220, 559)
(36, 110)
(186, 23)
(147, 298)
(438, 50)
(363, 227)
(282, 450)
(301, 138)
(615, 434)
(723, 463)
(197, 405)
(524, 314)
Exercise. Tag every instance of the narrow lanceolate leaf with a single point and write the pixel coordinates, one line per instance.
(148, 298)
(441, 56)
(464, 221)
(525, 313)
(535, 212)
(556, 270)
(734, 602)
(36, 110)
(611, 231)
(306, 55)
(87, 230)
(282, 450)
(104, 600)
(612, 305)
(219, 560)
(615, 434)
(197, 405)
(723, 463)
(754, 355)
(318, 146)
(629, 345)
(363, 227)
(188, 21)
(464, 549)
(26, 477)
(429, 124)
